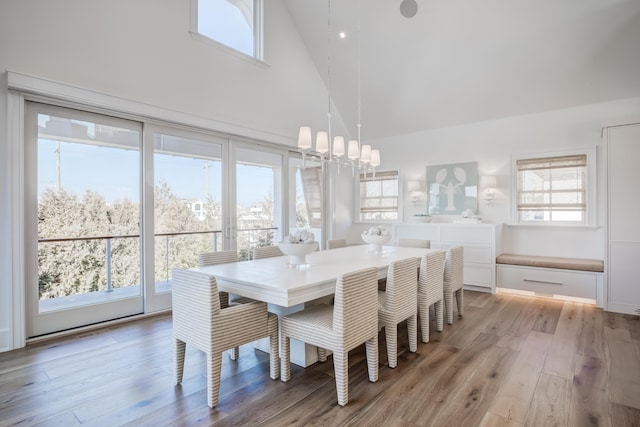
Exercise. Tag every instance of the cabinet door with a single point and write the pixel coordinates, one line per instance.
(623, 182)
(624, 278)
(623, 226)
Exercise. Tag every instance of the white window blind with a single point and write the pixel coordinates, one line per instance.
(552, 189)
(379, 196)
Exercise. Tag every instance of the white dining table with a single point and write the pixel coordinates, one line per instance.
(287, 288)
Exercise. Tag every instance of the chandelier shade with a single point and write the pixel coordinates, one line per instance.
(322, 142)
(304, 138)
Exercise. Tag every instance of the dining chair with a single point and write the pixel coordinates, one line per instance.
(336, 243)
(223, 257)
(397, 303)
(351, 321)
(219, 257)
(200, 321)
(453, 281)
(431, 291)
(415, 243)
(260, 252)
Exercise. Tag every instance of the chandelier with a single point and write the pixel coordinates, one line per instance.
(331, 148)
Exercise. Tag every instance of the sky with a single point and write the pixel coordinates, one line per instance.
(114, 173)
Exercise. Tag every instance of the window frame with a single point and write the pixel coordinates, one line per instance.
(358, 205)
(590, 213)
(258, 34)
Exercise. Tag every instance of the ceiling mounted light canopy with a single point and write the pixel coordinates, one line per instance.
(408, 8)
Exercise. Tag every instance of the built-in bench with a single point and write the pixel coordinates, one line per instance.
(552, 276)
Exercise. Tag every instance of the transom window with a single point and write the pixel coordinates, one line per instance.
(234, 23)
(555, 189)
(379, 196)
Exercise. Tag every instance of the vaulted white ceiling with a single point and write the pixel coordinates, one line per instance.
(462, 61)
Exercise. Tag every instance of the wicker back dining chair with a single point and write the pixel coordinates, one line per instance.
(431, 291)
(453, 281)
(219, 257)
(351, 321)
(336, 243)
(223, 257)
(198, 320)
(397, 303)
(414, 243)
(260, 252)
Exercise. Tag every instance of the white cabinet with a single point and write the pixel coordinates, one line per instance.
(622, 265)
(481, 244)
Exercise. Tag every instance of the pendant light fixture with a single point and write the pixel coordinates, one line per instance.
(332, 148)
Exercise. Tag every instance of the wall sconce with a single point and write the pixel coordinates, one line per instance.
(413, 188)
(489, 184)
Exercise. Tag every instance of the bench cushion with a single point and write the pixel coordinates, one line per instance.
(552, 262)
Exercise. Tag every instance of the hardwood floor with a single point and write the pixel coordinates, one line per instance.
(510, 361)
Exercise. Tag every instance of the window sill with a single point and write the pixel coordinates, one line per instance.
(229, 50)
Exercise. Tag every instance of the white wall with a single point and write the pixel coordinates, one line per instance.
(491, 145)
(142, 51)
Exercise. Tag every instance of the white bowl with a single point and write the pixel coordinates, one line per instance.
(376, 241)
(297, 251)
(421, 218)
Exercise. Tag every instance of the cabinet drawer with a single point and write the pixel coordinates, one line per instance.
(548, 281)
(467, 233)
(478, 274)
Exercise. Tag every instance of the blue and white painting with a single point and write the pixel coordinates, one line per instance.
(453, 188)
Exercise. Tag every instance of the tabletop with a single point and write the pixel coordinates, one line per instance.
(274, 281)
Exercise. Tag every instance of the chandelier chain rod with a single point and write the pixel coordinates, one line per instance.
(329, 134)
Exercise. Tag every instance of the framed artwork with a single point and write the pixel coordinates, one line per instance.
(453, 188)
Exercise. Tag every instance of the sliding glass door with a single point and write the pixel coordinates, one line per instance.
(83, 218)
(257, 205)
(188, 207)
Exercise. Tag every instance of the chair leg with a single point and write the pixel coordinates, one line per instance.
(459, 301)
(372, 358)
(322, 354)
(341, 368)
(391, 333)
(274, 347)
(439, 308)
(179, 350)
(424, 323)
(214, 363)
(448, 306)
(235, 353)
(285, 359)
(412, 329)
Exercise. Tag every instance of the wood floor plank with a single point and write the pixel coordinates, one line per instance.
(551, 400)
(591, 339)
(493, 420)
(548, 314)
(624, 416)
(562, 353)
(590, 405)
(472, 400)
(514, 397)
(624, 367)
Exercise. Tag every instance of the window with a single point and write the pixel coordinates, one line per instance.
(234, 23)
(379, 196)
(555, 189)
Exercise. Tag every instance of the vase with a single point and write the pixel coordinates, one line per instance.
(298, 252)
(375, 242)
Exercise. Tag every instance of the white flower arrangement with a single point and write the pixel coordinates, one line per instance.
(378, 230)
(299, 237)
